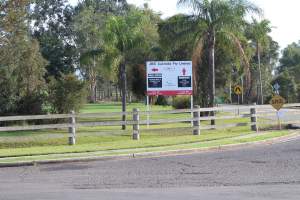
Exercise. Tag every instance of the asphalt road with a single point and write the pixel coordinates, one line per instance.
(260, 172)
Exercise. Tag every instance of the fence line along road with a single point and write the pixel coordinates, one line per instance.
(257, 115)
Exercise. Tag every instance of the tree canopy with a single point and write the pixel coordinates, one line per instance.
(101, 47)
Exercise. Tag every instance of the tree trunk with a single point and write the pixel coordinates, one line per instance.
(230, 92)
(242, 83)
(117, 95)
(93, 90)
(93, 81)
(108, 91)
(124, 89)
(211, 63)
(260, 78)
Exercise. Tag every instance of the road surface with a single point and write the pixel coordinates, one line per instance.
(259, 172)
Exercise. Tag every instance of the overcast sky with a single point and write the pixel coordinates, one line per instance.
(284, 16)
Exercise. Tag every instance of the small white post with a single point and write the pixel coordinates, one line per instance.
(196, 120)
(278, 120)
(136, 126)
(253, 118)
(72, 130)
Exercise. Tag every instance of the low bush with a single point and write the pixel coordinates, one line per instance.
(66, 94)
(161, 100)
(181, 102)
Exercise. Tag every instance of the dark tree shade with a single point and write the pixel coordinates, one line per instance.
(52, 28)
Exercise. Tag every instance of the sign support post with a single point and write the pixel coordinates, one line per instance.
(278, 120)
(169, 78)
(148, 112)
(192, 107)
(277, 102)
(238, 90)
(242, 94)
(238, 104)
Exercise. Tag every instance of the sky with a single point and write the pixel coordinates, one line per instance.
(284, 16)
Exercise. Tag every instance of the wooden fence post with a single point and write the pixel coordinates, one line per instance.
(253, 118)
(136, 126)
(72, 129)
(196, 120)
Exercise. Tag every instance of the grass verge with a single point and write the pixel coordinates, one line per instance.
(254, 137)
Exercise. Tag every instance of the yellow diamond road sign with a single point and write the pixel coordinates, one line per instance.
(277, 102)
(238, 89)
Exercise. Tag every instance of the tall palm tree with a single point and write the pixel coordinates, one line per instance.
(215, 19)
(122, 35)
(259, 33)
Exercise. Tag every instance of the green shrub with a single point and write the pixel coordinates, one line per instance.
(32, 104)
(181, 102)
(66, 94)
(161, 100)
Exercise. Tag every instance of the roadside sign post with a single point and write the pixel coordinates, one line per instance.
(276, 88)
(169, 78)
(277, 102)
(238, 90)
(148, 112)
(278, 120)
(192, 107)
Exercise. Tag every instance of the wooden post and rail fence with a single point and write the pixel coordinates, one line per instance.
(265, 113)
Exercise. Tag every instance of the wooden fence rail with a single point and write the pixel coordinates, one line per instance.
(257, 115)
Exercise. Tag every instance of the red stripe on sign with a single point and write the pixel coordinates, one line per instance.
(170, 93)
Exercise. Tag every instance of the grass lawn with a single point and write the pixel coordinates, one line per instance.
(94, 151)
(117, 107)
(105, 138)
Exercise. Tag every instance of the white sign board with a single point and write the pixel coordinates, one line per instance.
(169, 78)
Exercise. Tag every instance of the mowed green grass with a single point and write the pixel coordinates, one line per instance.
(117, 107)
(101, 138)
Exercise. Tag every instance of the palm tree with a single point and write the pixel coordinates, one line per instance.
(122, 35)
(259, 33)
(215, 19)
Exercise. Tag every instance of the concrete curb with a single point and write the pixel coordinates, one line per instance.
(221, 148)
(272, 141)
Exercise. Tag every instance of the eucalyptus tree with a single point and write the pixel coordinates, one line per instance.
(288, 86)
(215, 19)
(150, 50)
(89, 21)
(175, 44)
(116, 7)
(51, 25)
(290, 64)
(258, 32)
(88, 29)
(122, 35)
(22, 67)
(290, 60)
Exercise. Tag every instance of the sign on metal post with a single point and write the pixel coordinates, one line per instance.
(277, 102)
(169, 78)
(276, 88)
(238, 90)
